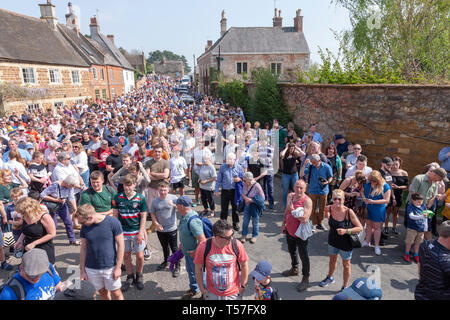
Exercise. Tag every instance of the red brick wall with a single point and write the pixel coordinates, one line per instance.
(411, 121)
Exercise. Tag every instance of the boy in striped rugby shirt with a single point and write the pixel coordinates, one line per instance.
(130, 208)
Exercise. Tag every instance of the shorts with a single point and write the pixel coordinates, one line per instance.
(131, 244)
(345, 255)
(178, 185)
(103, 279)
(414, 236)
(195, 178)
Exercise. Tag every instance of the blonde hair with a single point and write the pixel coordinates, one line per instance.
(85, 211)
(376, 176)
(30, 209)
(339, 194)
(16, 192)
(3, 173)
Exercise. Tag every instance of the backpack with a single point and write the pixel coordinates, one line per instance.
(17, 286)
(91, 192)
(208, 248)
(207, 225)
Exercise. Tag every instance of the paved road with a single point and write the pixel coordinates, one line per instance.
(397, 278)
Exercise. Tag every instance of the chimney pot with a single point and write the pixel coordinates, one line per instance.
(298, 21)
(111, 37)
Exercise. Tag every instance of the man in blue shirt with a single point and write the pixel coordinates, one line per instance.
(444, 158)
(14, 145)
(229, 174)
(35, 280)
(316, 135)
(321, 175)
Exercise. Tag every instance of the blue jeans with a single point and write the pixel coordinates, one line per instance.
(255, 222)
(267, 185)
(190, 269)
(288, 181)
(85, 177)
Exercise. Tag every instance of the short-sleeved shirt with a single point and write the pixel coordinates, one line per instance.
(101, 201)
(156, 167)
(5, 191)
(324, 171)
(44, 289)
(101, 245)
(58, 192)
(222, 273)
(114, 161)
(165, 213)
(421, 184)
(177, 169)
(130, 212)
(188, 239)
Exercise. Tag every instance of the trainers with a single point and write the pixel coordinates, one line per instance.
(365, 244)
(319, 227)
(139, 282)
(191, 295)
(236, 226)
(395, 230)
(386, 230)
(303, 285)
(147, 254)
(176, 271)
(290, 272)
(416, 259)
(243, 240)
(325, 282)
(406, 258)
(6, 266)
(162, 266)
(377, 251)
(253, 240)
(127, 284)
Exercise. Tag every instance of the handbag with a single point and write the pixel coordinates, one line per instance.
(354, 239)
(54, 207)
(8, 237)
(241, 204)
(304, 230)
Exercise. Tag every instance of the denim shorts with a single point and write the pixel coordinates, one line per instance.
(345, 255)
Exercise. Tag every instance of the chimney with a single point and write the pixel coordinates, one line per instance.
(72, 19)
(95, 28)
(111, 37)
(223, 24)
(208, 45)
(48, 13)
(277, 21)
(298, 21)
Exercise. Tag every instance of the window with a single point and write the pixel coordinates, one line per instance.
(59, 104)
(104, 93)
(276, 68)
(79, 102)
(102, 74)
(76, 76)
(97, 93)
(95, 74)
(113, 92)
(55, 76)
(33, 107)
(28, 75)
(241, 67)
(112, 75)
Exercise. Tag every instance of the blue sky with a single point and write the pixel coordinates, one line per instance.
(185, 26)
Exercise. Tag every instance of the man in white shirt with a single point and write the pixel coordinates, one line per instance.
(351, 158)
(361, 164)
(197, 160)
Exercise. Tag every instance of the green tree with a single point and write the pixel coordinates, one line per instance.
(158, 55)
(408, 36)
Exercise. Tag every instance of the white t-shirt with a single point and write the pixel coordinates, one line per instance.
(198, 155)
(177, 167)
(188, 144)
(80, 161)
(351, 171)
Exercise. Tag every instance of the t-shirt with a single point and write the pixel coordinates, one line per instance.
(222, 273)
(37, 170)
(101, 245)
(6, 190)
(177, 169)
(156, 167)
(115, 161)
(102, 155)
(375, 210)
(207, 173)
(198, 155)
(188, 239)
(130, 212)
(101, 201)
(324, 171)
(166, 215)
(44, 289)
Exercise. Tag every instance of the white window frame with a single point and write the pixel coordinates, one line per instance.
(26, 74)
(112, 74)
(104, 94)
(113, 92)
(95, 74)
(102, 74)
(277, 71)
(34, 107)
(57, 79)
(73, 79)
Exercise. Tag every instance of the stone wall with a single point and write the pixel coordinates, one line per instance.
(411, 121)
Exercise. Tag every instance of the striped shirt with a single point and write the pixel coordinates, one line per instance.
(434, 282)
(130, 211)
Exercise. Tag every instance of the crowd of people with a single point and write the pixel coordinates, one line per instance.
(108, 168)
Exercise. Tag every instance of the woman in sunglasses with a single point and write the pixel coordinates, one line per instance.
(338, 217)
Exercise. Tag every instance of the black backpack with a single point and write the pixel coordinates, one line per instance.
(208, 248)
(17, 286)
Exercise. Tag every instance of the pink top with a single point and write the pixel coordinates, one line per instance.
(257, 190)
(291, 222)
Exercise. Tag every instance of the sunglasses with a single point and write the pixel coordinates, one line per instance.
(336, 199)
(226, 238)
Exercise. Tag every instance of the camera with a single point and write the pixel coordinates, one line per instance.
(322, 180)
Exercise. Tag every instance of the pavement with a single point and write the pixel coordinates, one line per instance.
(396, 278)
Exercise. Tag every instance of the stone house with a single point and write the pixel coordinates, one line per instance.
(137, 61)
(171, 68)
(240, 50)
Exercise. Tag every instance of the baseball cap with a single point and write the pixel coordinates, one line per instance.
(363, 289)
(262, 270)
(184, 201)
(85, 291)
(441, 173)
(386, 160)
(338, 137)
(29, 146)
(35, 262)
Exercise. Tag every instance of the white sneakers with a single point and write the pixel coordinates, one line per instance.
(365, 244)
(377, 251)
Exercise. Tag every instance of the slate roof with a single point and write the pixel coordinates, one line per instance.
(112, 50)
(29, 39)
(260, 40)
